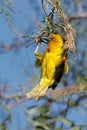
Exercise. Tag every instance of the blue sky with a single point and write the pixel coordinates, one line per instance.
(17, 67)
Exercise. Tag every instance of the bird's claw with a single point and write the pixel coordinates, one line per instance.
(36, 53)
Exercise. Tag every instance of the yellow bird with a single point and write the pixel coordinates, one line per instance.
(53, 66)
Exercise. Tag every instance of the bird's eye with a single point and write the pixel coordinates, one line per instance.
(53, 38)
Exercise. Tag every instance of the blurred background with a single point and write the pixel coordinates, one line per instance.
(19, 19)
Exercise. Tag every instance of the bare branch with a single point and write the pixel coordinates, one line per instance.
(15, 46)
(66, 91)
(78, 6)
(53, 94)
(78, 16)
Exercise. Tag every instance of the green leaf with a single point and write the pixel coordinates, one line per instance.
(3, 8)
(42, 110)
(2, 127)
(7, 13)
(79, 109)
(75, 128)
(41, 126)
(65, 121)
(85, 104)
(33, 111)
(57, 129)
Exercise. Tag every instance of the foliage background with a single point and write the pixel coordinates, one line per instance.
(18, 73)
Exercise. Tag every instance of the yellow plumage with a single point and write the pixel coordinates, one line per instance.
(53, 65)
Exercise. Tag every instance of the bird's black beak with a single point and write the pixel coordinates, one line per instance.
(45, 40)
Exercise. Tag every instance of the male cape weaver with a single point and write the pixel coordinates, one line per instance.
(53, 66)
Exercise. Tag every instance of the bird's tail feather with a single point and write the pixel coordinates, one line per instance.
(39, 90)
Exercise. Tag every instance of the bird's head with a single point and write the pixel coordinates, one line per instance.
(56, 39)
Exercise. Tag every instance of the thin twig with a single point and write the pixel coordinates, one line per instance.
(78, 16)
(55, 95)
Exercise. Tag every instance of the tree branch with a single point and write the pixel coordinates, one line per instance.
(78, 16)
(66, 91)
(55, 95)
